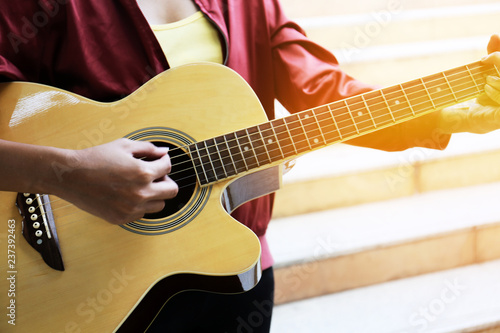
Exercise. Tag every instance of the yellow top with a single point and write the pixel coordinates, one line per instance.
(192, 39)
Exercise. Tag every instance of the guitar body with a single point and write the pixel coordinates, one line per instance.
(112, 273)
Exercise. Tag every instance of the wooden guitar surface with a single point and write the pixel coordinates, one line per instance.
(108, 268)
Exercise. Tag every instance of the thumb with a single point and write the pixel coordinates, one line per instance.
(147, 150)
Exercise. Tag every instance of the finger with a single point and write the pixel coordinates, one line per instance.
(146, 150)
(492, 59)
(492, 93)
(154, 206)
(158, 152)
(164, 189)
(494, 44)
(159, 168)
(493, 81)
(484, 100)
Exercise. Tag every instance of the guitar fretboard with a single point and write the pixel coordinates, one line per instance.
(282, 139)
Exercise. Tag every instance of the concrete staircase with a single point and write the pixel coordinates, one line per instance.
(370, 241)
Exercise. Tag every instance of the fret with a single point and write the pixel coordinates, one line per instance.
(229, 154)
(335, 122)
(203, 174)
(296, 133)
(209, 168)
(290, 135)
(272, 141)
(252, 148)
(369, 112)
(316, 120)
(496, 69)
(350, 113)
(304, 130)
(249, 156)
(201, 163)
(312, 130)
(215, 159)
(376, 114)
(427, 91)
(258, 146)
(463, 83)
(449, 85)
(226, 161)
(479, 73)
(197, 163)
(397, 101)
(284, 138)
(407, 99)
(235, 152)
(211, 164)
(441, 91)
(364, 116)
(327, 124)
(472, 77)
(388, 106)
(418, 98)
(264, 144)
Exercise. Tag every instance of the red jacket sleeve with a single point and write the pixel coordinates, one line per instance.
(307, 75)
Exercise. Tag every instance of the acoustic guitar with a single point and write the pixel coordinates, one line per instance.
(64, 270)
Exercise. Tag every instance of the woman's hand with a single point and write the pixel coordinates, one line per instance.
(119, 181)
(481, 115)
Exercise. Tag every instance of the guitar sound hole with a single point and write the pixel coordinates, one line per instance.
(184, 175)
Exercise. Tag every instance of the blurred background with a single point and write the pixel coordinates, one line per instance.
(370, 241)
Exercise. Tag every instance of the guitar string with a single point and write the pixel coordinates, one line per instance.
(353, 109)
(298, 143)
(69, 205)
(259, 157)
(341, 129)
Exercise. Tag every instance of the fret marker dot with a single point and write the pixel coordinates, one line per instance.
(360, 113)
(306, 116)
(246, 148)
(316, 141)
(397, 102)
(270, 141)
(438, 89)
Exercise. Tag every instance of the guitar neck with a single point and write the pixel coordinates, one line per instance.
(286, 138)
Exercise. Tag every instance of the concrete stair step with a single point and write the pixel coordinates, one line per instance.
(389, 42)
(369, 241)
(464, 299)
(330, 251)
(391, 65)
(401, 26)
(342, 175)
(315, 8)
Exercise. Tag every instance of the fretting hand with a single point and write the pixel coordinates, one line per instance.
(481, 115)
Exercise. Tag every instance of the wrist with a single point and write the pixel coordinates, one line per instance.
(56, 166)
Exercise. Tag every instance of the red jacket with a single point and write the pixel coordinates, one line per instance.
(105, 50)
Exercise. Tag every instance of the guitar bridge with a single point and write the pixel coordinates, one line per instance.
(39, 228)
